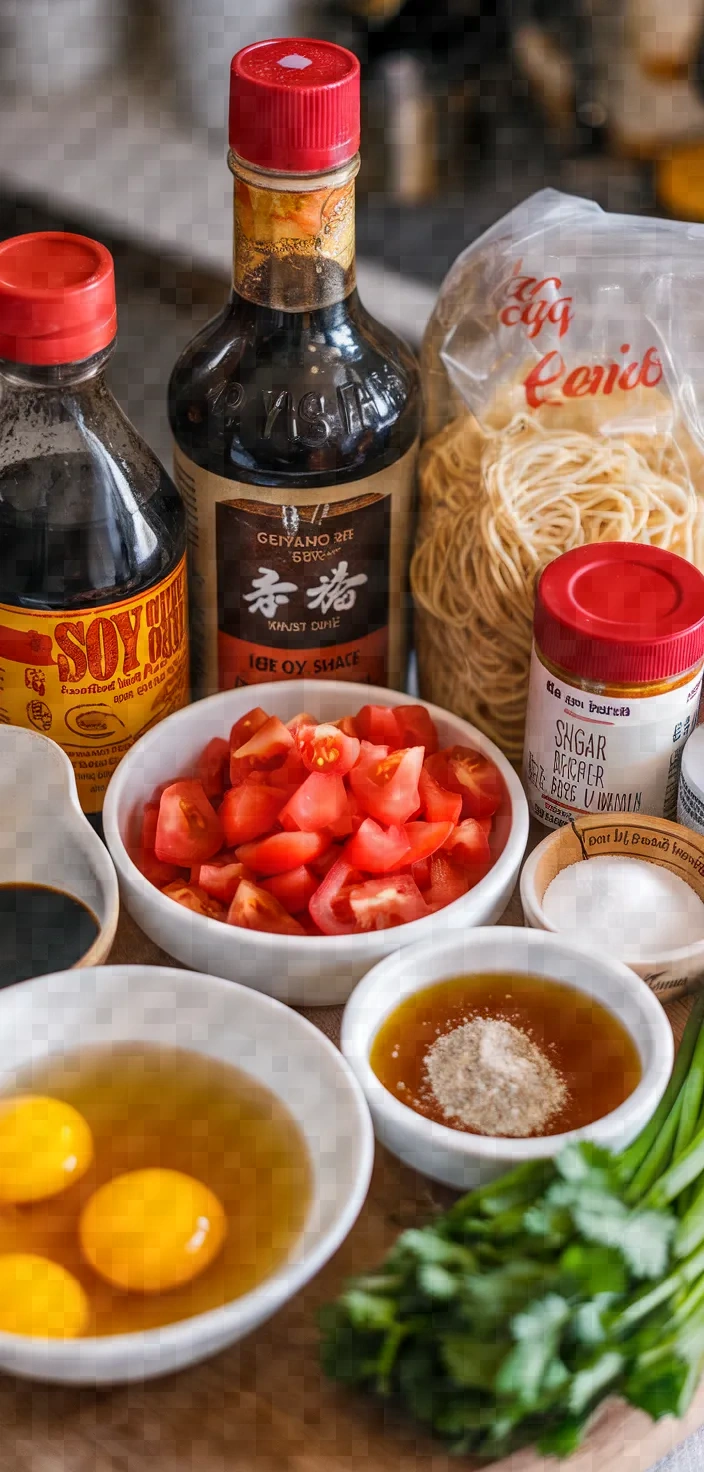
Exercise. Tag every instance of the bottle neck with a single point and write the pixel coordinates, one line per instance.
(58, 376)
(294, 236)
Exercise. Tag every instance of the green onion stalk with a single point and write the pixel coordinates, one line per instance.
(509, 1319)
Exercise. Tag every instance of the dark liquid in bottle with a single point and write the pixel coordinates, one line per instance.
(69, 537)
(244, 403)
(41, 930)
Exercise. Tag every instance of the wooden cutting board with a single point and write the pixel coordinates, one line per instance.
(263, 1405)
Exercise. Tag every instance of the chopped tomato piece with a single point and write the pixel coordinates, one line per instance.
(377, 850)
(293, 890)
(289, 775)
(265, 750)
(256, 909)
(330, 905)
(387, 786)
(425, 838)
(421, 873)
(327, 750)
(213, 767)
(246, 727)
(477, 779)
(282, 851)
(153, 869)
(192, 897)
(438, 805)
(320, 802)
(297, 723)
(377, 724)
(188, 828)
(221, 877)
(447, 882)
(249, 811)
(348, 726)
(416, 727)
(324, 864)
(380, 903)
(150, 818)
(468, 845)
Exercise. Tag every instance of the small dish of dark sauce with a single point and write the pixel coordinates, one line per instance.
(41, 930)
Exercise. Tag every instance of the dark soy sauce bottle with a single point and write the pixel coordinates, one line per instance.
(93, 632)
(295, 415)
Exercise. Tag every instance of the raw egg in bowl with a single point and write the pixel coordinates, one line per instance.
(169, 1182)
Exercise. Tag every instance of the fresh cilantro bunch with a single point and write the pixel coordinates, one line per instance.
(508, 1319)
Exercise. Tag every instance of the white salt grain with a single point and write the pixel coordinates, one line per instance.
(627, 906)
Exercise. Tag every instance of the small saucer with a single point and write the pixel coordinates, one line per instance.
(46, 839)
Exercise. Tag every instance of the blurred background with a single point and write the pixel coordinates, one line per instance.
(113, 122)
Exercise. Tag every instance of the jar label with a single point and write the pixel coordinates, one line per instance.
(292, 585)
(95, 679)
(587, 753)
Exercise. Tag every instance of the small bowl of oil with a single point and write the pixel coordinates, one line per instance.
(178, 1156)
(499, 1047)
(59, 899)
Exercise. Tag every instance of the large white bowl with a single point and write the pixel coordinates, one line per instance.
(463, 1160)
(284, 1052)
(306, 971)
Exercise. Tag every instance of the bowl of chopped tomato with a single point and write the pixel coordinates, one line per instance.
(291, 844)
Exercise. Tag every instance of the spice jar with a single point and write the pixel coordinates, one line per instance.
(615, 682)
(690, 798)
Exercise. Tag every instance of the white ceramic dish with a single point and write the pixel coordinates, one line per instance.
(303, 971)
(463, 1160)
(44, 836)
(281, 1050)
(669, 973)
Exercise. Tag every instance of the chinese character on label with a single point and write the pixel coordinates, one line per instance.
(336, 590)
(269, 593)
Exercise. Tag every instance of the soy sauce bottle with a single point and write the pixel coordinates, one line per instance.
(93, 632)
(295, 414)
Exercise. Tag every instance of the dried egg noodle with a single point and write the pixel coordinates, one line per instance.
(496, 506)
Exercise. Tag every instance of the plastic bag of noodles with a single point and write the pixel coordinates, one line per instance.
(564, 387)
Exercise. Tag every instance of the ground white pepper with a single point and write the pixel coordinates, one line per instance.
(494, 1079)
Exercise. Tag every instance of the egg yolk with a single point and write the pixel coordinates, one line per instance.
(45, 1145)
(40, 1298)
(152, 1230)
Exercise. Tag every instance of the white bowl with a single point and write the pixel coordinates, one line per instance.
(669, 973)
(284, 1052)
(45, 838)
(463, 1160)
(305, 971)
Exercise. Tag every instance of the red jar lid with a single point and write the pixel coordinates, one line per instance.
(294, 105)
(57, 298)
(621, 613)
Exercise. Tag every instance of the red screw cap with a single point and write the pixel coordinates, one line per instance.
(294, 105)
(57, 298)
(621, 612)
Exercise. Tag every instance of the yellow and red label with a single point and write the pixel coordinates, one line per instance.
(95, 679)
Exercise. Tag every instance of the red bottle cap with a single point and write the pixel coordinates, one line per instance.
(294, 105)
(57, 298)
(621, 613)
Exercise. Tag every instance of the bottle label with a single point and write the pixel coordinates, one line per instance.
(95, 679)
(594, 754)
(285, 586)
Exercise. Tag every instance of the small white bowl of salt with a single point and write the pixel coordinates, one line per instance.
(629, 887)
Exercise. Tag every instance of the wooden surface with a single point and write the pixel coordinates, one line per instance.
(263, 1406)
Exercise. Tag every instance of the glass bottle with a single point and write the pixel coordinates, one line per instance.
(93, 634)
(295, 415)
